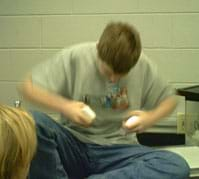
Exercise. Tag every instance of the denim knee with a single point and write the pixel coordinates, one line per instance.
(181, 168)
(41, 118)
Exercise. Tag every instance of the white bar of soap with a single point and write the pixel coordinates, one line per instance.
(89, 112)
(130, 121)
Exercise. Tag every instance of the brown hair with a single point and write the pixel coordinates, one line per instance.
(17, 142)
(119, 47)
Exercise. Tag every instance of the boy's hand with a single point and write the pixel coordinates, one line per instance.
(74, 111)
(141, 123)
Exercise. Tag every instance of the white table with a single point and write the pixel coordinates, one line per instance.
(190, 154)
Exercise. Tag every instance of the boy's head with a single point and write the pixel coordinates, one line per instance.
(119, 47)
(17, 142)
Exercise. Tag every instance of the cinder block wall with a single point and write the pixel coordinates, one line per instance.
(31, 31)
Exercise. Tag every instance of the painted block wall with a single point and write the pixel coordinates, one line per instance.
(32, 31)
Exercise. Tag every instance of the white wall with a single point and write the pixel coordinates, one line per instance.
(33, 30)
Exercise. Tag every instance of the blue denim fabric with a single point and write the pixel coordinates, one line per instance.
(61, 156)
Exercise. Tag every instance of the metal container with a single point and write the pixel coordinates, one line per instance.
(191, 114)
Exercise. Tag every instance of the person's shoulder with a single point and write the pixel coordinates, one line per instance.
(145, 61)
(144, 58)
(76, 49)
(82, 46)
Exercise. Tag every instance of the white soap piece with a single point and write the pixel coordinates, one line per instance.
(89, 112)
(130, 121)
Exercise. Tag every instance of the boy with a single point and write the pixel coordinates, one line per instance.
(117, 81)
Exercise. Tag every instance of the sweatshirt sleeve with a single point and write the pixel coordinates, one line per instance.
(53, 75)
(155, 87)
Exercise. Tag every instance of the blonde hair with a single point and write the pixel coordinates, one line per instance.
(18, 142)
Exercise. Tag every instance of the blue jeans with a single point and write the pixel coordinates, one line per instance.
(62, 156)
